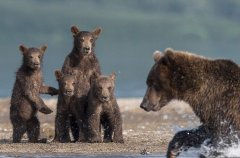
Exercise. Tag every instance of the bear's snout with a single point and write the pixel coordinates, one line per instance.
(144, 106)
(86, 50)
(68, 92)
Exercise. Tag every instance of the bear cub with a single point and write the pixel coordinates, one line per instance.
(66, 108)
(103, 110)
(25, 100)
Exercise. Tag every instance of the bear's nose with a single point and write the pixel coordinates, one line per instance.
(87, 48)
(105, 98)
(36, 65)
(69, 91)
(142, 106)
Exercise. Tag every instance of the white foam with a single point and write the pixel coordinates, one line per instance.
(233, 151)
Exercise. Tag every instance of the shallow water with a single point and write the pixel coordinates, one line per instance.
(191, 153)
(90, 156)
(233, 151)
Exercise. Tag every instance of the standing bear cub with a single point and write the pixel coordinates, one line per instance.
(67, 109)
(212, 89)
(103, 110)
(25, 100)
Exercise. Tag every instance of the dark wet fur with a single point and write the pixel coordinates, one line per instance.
(26, 101)
(83, 67)
(105, 113)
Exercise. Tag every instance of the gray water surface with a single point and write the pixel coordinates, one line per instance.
(88, 156)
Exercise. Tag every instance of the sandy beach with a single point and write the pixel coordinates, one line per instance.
(144, 132)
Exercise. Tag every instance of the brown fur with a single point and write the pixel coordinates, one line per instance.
(82, 57)
(66, 108)
(82, 62)
(103, 110)
(26, 101)
(211, 87)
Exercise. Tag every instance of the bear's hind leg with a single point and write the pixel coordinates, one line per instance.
(19, 129)
(33, 129)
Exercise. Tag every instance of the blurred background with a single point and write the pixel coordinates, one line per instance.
(132, 30)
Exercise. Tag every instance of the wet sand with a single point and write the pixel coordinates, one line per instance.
(145, 133)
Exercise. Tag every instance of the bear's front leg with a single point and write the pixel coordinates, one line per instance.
(74, 126)
(62, 128)
(93, 128)
(118, 132)
(33, 97)
(40, 105)
(82, 131)
(48, 90)
(183, 140)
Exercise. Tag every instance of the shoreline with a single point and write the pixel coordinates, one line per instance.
(144, 132)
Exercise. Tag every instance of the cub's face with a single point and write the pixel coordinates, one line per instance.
(159, 90)
(84, 41)
(32, 57)
(104, 87)
(66, 83)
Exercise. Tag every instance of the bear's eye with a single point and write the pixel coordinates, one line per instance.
(30, 57)
(81, 40)
(39, 56)
(109, 88)
(73, 83)
(155, 86)
(91, 40)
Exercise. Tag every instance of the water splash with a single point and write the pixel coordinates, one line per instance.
(232, 150)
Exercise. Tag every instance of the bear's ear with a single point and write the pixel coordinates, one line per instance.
(23, 49)
(168, 56)
(75, 30)
(43, 48)
(96, 32)
(113, 76)
(157, 55)
(58, 75)
(169, 50)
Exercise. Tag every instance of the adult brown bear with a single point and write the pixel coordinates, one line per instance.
(211, 87)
